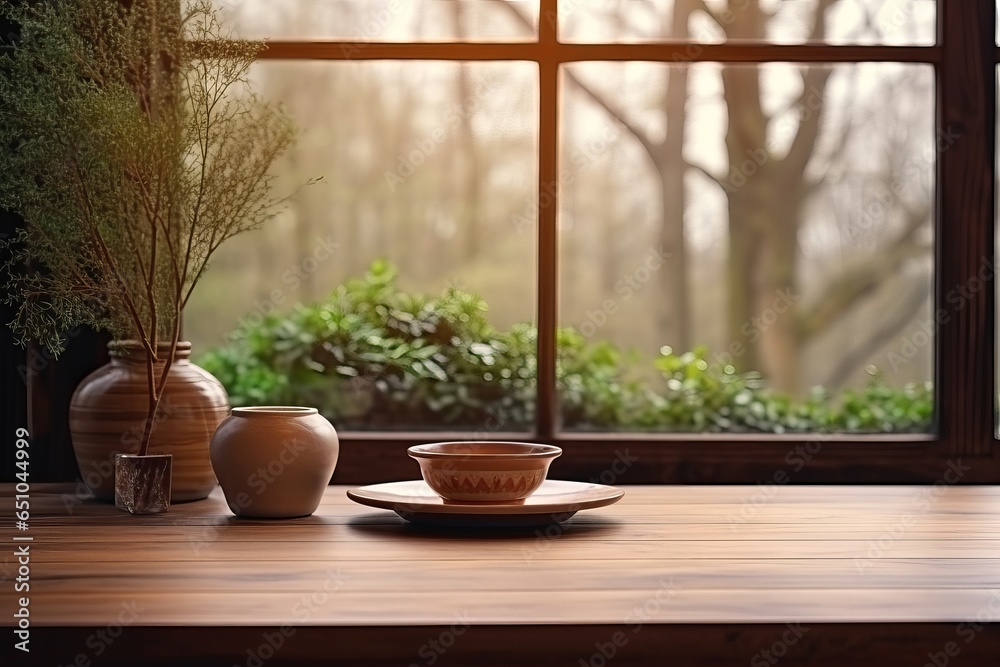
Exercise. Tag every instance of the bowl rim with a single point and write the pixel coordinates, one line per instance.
(273, 411)
(541, 451)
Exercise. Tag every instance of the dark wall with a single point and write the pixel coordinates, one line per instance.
(32, 377)
(13, 393)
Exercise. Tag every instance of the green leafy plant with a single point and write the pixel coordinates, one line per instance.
(134, 147)
(375, 357)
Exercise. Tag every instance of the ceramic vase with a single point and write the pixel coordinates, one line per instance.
(108, 414)
(274, 462)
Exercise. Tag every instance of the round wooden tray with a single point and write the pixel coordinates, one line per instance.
(552, 502)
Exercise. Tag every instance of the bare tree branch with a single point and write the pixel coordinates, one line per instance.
(651, 147)
(701, 5)
(886, 327)
(517, 14)
(814, 79)
(836, 152)
(818, 31)
(717, 179)
(858, 281)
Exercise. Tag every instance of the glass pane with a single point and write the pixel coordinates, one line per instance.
(383, 20)
(892, 22)
(747, 248)
(422, 164)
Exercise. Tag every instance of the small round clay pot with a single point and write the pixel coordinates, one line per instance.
(274, 462)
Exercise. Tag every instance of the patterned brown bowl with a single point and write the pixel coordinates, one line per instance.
(484, 471)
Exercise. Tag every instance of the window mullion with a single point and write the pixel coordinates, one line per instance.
(547, 269)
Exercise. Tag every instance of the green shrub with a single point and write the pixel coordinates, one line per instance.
(373, 357)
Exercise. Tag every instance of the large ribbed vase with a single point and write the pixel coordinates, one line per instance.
(108, 412)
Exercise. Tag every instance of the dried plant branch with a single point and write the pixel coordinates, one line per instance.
(137, 149)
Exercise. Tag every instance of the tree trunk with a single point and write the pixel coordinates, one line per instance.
(764, 208)
(608, 227)
(745, 246)
(469, 172)
(779, 343)
(764, 211)
(470, 179)
(674, 313)
(749, 209)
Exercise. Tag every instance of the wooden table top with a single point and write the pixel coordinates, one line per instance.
(708, 556)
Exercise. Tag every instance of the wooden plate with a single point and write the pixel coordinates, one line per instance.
(554, 501)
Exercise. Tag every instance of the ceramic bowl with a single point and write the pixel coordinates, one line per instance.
(484, 471)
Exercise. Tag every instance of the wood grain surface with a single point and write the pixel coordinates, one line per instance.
(708, 575)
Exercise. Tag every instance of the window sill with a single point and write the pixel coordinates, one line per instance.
(367, 458)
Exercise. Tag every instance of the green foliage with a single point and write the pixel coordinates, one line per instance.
(375, 357)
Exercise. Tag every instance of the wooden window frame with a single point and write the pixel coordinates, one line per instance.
(964, 57)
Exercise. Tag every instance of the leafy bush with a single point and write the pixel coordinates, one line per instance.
(373, 357)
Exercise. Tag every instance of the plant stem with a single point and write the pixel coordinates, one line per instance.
(152, 404)
(156, 393)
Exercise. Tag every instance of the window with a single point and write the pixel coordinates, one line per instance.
(800, 186)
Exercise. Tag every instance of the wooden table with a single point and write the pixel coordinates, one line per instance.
(668, 576)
